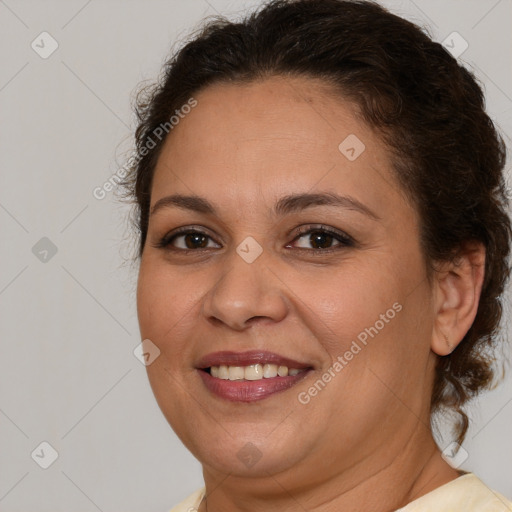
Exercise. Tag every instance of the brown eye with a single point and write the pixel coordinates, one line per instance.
(187, 240)
(322, 239)
(195, 240)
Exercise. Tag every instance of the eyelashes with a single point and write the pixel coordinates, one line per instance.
(190, 236)
(328, 235)
(189, 239)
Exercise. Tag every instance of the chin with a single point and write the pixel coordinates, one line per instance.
(242, 452)
(251, 460)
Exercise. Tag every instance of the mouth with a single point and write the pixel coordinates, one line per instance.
(250, 376)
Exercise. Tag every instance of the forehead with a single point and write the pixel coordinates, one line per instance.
(249, 141)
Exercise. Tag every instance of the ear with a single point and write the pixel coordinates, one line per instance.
(457, 288)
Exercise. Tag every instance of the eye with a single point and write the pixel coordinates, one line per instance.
(321, 238)
(187, 239)
(310, 238)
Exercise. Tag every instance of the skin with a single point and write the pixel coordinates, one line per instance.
(364, 441)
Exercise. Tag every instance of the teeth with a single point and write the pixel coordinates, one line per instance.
(282, 371)
(223, 372)
(269, 371)
(252, 372)
(236, 373)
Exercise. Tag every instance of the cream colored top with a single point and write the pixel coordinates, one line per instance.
(464, 494)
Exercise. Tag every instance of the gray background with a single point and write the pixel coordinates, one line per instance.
(68, 374)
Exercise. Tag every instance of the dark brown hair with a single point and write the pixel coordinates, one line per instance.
(428, 109)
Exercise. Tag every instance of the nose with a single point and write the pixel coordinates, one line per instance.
(246, 293)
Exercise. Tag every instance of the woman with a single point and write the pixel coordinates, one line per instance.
(323, 246)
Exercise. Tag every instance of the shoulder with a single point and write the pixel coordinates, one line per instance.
(465, 494)
(191, 503)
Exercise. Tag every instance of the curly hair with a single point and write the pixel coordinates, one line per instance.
(429, 110)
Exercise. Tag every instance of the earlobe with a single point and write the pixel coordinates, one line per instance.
(447, 347)
(458, 285)
(441, 343)
(450, 346)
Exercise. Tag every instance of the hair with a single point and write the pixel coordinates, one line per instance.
(428, 109)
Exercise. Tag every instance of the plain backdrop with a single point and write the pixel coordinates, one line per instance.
(68, 375)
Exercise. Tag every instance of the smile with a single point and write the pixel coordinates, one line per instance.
(249, 376)
(252, 372)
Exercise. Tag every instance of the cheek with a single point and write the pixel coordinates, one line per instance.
(368, 317)
(165, 305)
(165, 315)
(348, 304)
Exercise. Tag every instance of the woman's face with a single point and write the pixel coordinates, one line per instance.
(259, 172)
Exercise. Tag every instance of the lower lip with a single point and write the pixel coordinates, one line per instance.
(249, 390)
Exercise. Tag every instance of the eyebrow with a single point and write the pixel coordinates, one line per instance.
(288, 204)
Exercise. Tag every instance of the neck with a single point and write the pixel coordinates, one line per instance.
(408, 474)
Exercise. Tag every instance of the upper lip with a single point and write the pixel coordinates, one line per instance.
(248, 358)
